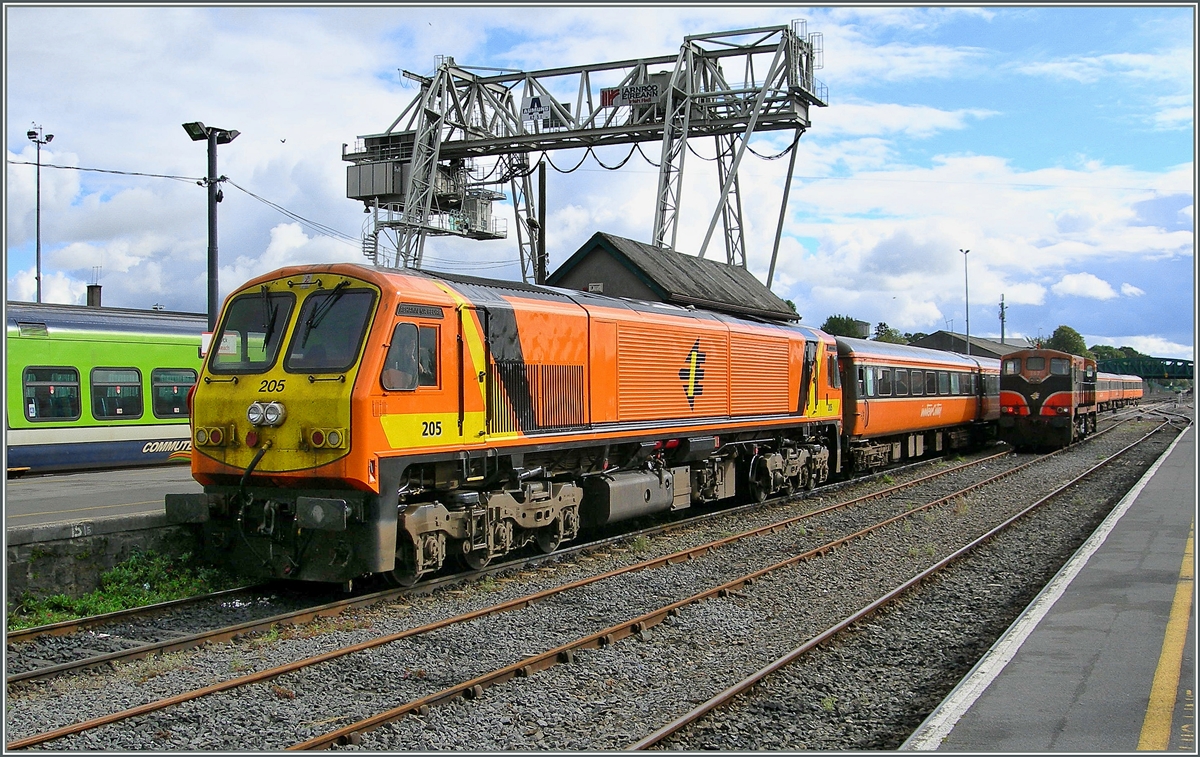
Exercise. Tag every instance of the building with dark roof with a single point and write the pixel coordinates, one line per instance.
(619, 267)
(948, 341)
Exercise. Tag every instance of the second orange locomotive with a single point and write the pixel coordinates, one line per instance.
(353, 420)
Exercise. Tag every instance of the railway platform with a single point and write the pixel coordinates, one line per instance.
(1103, 660)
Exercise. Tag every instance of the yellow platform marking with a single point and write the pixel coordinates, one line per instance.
(1156, 728)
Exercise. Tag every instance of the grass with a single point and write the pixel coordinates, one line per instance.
(146, 578)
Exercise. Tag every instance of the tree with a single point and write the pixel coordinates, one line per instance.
(841, 325)
(914, 336)
(1107, 352)
(1130, 352)
(1067, 339)
(885, 333)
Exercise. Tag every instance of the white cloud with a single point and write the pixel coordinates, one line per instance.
(1129, 290)
(1084, 285)
(869, 119)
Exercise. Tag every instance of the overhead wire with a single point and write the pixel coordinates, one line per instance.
(188, 179)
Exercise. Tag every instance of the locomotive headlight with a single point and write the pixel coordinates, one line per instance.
(255, 414)
(333, 438)
(201, 436)
(273, 413)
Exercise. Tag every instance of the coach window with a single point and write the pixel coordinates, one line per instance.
(917, 384)
(930, 383)
(168, 391)
(901, 387)
(870, 376)
(116, 393)
(1012, 366)
(954, 385)
(885, 382)
(51, 394)
(1060, 366)
(943, 382)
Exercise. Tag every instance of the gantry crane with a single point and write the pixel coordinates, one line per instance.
(423, 179)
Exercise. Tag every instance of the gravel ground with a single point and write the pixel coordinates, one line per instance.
(612, 697)
(165, 625)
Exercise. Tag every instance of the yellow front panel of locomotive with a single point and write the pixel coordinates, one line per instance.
(311, 402)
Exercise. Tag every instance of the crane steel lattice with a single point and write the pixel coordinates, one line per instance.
(423, 180)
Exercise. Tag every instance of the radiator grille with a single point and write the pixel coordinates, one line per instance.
(524, 397)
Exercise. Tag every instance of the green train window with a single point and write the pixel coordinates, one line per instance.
(116, 393)
(168, 391)
(51, 394)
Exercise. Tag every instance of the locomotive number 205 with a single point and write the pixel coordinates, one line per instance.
(431, 428)
(271, 385)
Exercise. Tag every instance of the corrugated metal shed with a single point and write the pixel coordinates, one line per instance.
(626, 268)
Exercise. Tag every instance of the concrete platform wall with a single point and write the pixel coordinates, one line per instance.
(68, 558)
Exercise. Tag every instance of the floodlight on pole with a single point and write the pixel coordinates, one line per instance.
(35, 135)
(967, 298)
(214, 136)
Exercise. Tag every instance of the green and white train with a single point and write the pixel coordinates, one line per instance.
(90, 387)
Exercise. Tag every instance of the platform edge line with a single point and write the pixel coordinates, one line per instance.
(929, 735)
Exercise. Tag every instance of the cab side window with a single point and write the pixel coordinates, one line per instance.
(412, 358)
(427, 362)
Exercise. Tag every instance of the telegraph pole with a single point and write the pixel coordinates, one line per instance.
(1002, 309)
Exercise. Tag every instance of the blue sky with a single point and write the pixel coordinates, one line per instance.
(1056, 143)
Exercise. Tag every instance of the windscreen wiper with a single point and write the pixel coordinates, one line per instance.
(323, 309)
(269, 315)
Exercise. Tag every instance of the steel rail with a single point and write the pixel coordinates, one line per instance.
(733, 691)
(337, 607)
(352, 733)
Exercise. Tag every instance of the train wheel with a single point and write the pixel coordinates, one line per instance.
(549, 537)
(760, 482)
(477, 559)
(405, 573)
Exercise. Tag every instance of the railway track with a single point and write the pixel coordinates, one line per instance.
(162, 628)
(885, 600)
(606, 635)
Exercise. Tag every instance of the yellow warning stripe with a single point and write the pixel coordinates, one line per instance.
(1156, 728)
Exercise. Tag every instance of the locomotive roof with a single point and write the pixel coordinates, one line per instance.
(866, 347)
(83, 318)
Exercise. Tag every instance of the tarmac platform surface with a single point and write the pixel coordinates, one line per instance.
(1103, 660)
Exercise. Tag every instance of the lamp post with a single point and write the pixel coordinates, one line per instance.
(35, 135)
(214, 136)
(967, 298)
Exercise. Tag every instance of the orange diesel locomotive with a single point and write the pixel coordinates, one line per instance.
(352, 420)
